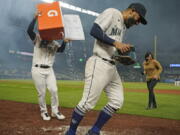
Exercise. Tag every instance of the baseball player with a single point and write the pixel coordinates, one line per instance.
(100, 72)
(152, 70)
(42, 71)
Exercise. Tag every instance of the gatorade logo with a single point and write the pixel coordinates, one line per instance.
(52, 13)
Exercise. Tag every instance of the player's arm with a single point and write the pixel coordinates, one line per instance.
(30, 29)
(102, 23)
(63, 46)
(99, 34)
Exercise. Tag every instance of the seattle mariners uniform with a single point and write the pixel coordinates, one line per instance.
(100, 72)
(42, 71)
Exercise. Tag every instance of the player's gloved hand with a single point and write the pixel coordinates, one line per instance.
(126, 58)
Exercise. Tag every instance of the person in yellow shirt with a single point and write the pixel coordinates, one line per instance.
(152, 70)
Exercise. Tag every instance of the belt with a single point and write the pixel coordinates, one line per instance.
(42, 66)
(110, 61)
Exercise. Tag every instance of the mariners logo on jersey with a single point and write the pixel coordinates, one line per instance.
(115, 31)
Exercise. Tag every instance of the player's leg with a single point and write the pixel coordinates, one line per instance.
(114, 92)
(95, 80)
(97, 76)
(52, 87)
(40, 84)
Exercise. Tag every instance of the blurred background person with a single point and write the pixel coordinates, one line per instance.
(152, 70)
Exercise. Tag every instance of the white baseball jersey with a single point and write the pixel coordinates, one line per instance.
(112, 23)
(44, 56)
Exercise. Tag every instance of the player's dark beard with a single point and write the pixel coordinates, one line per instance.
(129, 22)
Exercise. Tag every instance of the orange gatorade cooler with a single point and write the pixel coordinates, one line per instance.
(50, 22)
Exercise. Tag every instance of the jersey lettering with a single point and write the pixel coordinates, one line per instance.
(115, 31)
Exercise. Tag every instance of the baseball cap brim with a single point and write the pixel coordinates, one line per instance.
(143, 20)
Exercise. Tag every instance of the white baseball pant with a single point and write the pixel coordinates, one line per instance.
(101, 75)
(45, 78)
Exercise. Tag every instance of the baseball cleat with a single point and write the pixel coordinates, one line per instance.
(45, 116)
(58, 115)
(92, 133)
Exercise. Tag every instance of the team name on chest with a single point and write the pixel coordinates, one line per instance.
(115, 31)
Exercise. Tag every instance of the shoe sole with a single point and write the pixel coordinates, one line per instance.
(46, 119)
(54, 116)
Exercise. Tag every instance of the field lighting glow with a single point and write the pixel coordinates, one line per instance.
(74, 8)
(48, 1)
(175, 65)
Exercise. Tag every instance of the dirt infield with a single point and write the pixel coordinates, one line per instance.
(24, 119)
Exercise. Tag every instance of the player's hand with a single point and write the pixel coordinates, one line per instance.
(36, 14)
(122, 47)
(66, 40)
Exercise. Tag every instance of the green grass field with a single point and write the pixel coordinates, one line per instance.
(70, 93)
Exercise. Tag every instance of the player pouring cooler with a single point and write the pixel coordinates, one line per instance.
(42, 70)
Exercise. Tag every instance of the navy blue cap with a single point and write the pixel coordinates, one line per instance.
(141, 10)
